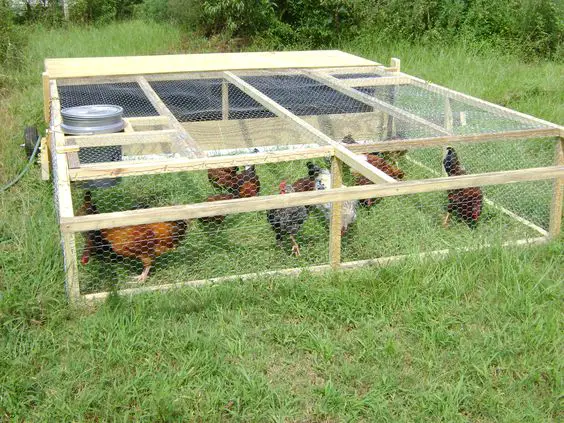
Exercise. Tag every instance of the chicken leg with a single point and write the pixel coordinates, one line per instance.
(147, 263)
(295, 246)
(446, 220)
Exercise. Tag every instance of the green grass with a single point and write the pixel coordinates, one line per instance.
(472, 338)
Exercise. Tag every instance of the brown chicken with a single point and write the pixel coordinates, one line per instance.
(307, 183)
(389, 169)
(143, 242)
(247, 183)
(224, 177)
(465, 203)
(242, 184)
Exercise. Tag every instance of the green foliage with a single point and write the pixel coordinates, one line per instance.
(101, 11)
(532, 27)
(49, 15)
(236, 17)
(320, 22)
(12, 41)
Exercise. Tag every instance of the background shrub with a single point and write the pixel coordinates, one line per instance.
(12, 41)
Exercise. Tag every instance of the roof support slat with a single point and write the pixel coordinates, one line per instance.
(190, 146)
(351, 159)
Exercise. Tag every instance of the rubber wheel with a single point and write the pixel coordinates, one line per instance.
(30, 137)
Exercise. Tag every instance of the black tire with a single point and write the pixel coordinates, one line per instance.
(30, 137)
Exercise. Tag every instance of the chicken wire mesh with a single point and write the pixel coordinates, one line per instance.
(225, 121)
(207, 247)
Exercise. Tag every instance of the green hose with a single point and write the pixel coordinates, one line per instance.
(26, 168)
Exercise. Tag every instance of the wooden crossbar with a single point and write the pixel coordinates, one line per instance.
(413, 143)
(150, 167)
(191, 147)
(192, 211)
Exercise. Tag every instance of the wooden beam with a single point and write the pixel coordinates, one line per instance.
(224, 100)
(63, 197)
(394, 111)
(44, 158)
(192, 211)
(275, 131)
(122, 138)
(190, 146)
(555, 224)
(413, 143)
(481, 104)
(150, 167)
(135, 65)
(358, 164)
(46, 97)
(335, 224)
(351, 265)
(148, 121)
(375, 81)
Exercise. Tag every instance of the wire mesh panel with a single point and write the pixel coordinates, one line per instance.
(412, 224)
(439, 108)
(208, 247)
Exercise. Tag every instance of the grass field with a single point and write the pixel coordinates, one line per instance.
(473, 338)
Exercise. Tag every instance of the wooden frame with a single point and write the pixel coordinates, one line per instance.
(165, 129)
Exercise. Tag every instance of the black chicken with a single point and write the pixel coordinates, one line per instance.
(287, 221)
(465, 203)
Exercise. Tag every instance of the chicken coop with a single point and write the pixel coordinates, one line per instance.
(222, 167)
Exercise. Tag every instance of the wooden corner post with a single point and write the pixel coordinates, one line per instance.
(555, 224)
(336, 210)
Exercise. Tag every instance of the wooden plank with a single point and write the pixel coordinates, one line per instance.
(224, 100)
(413, 143)
(481, 104)
(98, 296)
(275, 131)
(191, 147)
(122, 138)
(375, 81)
(335, 224)
(378, 70)
(449, 120)
(438, 254)
(46, 97)
(44, 158)
(135, 65)
(71, 268)
(358, 164)
(394, 111)
(555, 224)
(148, 121)
(63, 195)
(73, 160)
(149, 167)
(377, 262)
(192, 211)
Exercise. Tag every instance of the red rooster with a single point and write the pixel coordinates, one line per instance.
(144, 242)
